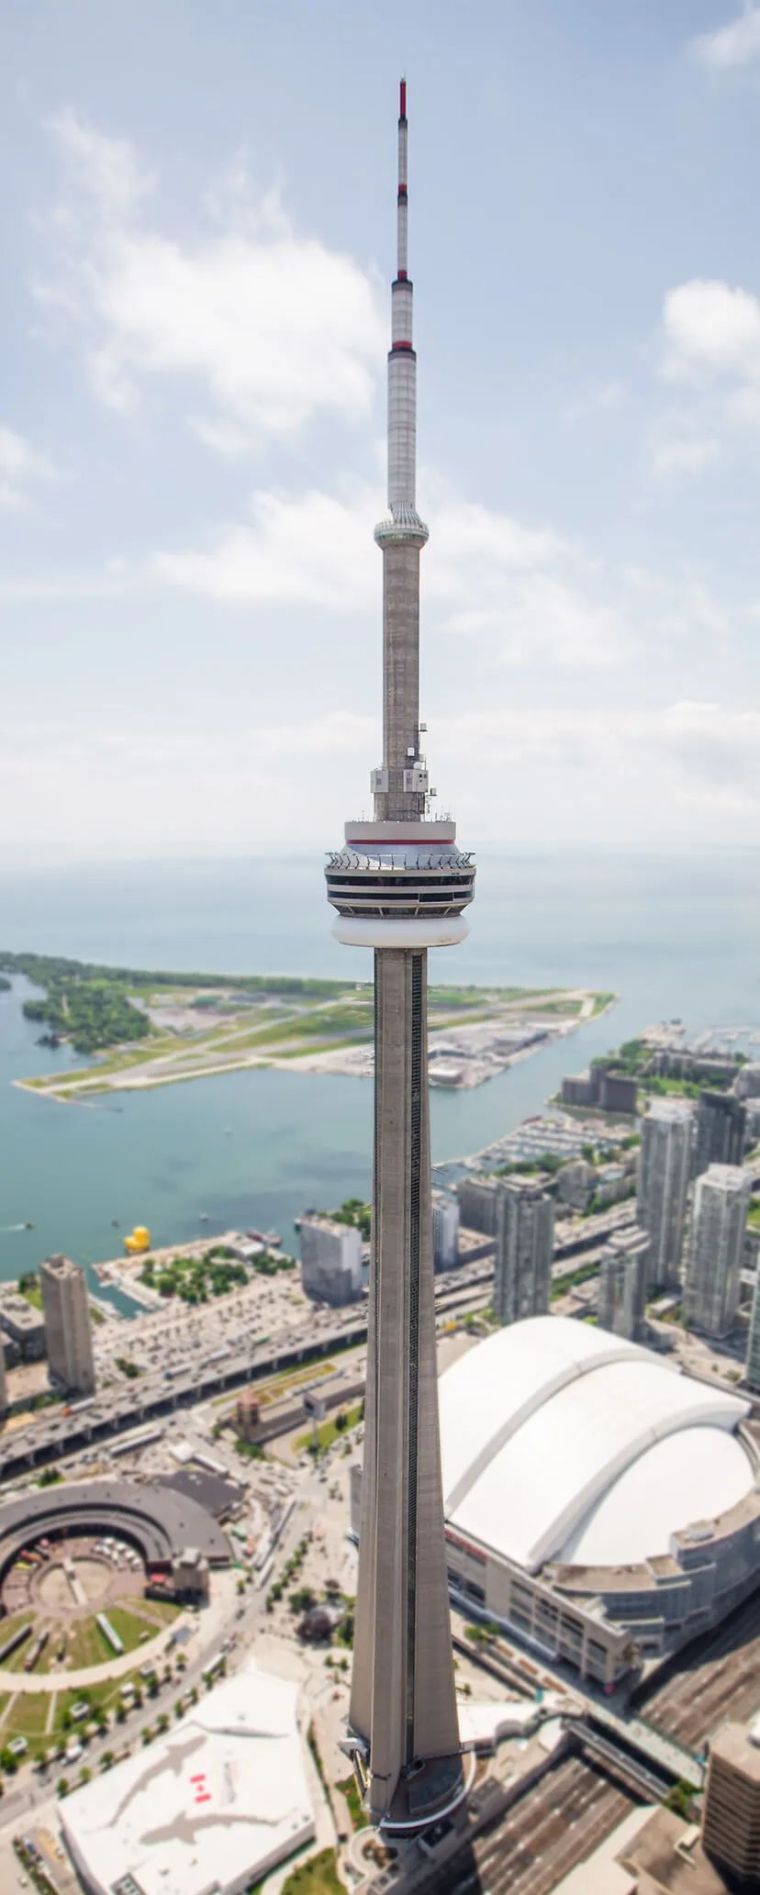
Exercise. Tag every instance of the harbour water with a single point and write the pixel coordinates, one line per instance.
(671, 938)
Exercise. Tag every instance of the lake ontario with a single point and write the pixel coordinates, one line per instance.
(672, 937)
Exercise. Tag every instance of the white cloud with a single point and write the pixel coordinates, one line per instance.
(736, 44)
(105, 169)
(712, 329)
(711, 349)
(311, 549)
(516, 774)
(21, 467)
(521, 589)
(270, 324)
(519, 595)
(679, 453)
(687, 757)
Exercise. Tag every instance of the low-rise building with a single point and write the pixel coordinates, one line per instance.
(247, 1414)
(747, 1085)
(331, 1260)
(579, 1088)
(575, 1183)
(617, 1092)
(216, 1803)
(23, 1324)
(190, 1574)
(601, 1085)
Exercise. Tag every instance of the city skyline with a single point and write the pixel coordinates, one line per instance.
(190, 438)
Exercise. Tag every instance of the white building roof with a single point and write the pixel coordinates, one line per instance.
(560, 1441)
(213, 1806)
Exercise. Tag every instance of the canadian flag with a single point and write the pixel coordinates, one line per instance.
(202, 1794)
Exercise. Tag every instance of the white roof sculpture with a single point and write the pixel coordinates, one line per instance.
(561, 1441)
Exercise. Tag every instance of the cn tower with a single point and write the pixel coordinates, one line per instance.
(400, 885)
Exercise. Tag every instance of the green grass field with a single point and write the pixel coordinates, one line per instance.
(327, 1431)
(28, 1714)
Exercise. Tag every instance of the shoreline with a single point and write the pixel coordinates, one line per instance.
(351, 1059)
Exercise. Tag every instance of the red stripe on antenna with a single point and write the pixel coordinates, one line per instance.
(402, 99)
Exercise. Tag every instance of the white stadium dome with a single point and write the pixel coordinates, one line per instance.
(561, 1442)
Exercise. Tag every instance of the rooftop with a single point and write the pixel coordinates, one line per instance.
(739, 1744)
(561, 1442)
(214, 1805)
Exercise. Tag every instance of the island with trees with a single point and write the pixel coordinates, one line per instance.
(138, 1027)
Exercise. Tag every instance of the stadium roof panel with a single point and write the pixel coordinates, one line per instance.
(562, 1442)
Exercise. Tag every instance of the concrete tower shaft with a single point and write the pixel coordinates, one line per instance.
(400, 886)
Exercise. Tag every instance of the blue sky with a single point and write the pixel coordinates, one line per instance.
(196, 218)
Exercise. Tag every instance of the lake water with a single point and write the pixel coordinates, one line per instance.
(670, 937)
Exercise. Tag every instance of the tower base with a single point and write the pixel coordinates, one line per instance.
(425, 1793)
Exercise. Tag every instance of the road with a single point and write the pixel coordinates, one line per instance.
(244, 1358)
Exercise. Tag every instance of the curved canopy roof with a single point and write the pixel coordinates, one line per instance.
(560, 1441)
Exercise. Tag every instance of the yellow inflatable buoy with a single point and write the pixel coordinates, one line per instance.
(138, 1240)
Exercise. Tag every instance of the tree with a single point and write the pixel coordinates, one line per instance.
(62, 1786)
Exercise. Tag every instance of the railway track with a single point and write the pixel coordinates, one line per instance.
(558, 1823)
(719, 1678)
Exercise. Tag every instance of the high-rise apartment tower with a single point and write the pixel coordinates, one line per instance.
(67, 1324)
(622, 1282)
(713, 1272)
(399, 885)
(720, 1132)
(524, 1248)
(752, 1370)
(664, 1166)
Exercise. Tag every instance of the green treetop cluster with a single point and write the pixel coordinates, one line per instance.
(91, 1013)
(353, 1211)
(196, 1279)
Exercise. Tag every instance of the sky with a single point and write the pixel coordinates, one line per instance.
(197, 227)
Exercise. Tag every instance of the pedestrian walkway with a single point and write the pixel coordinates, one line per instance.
(664, 1751)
